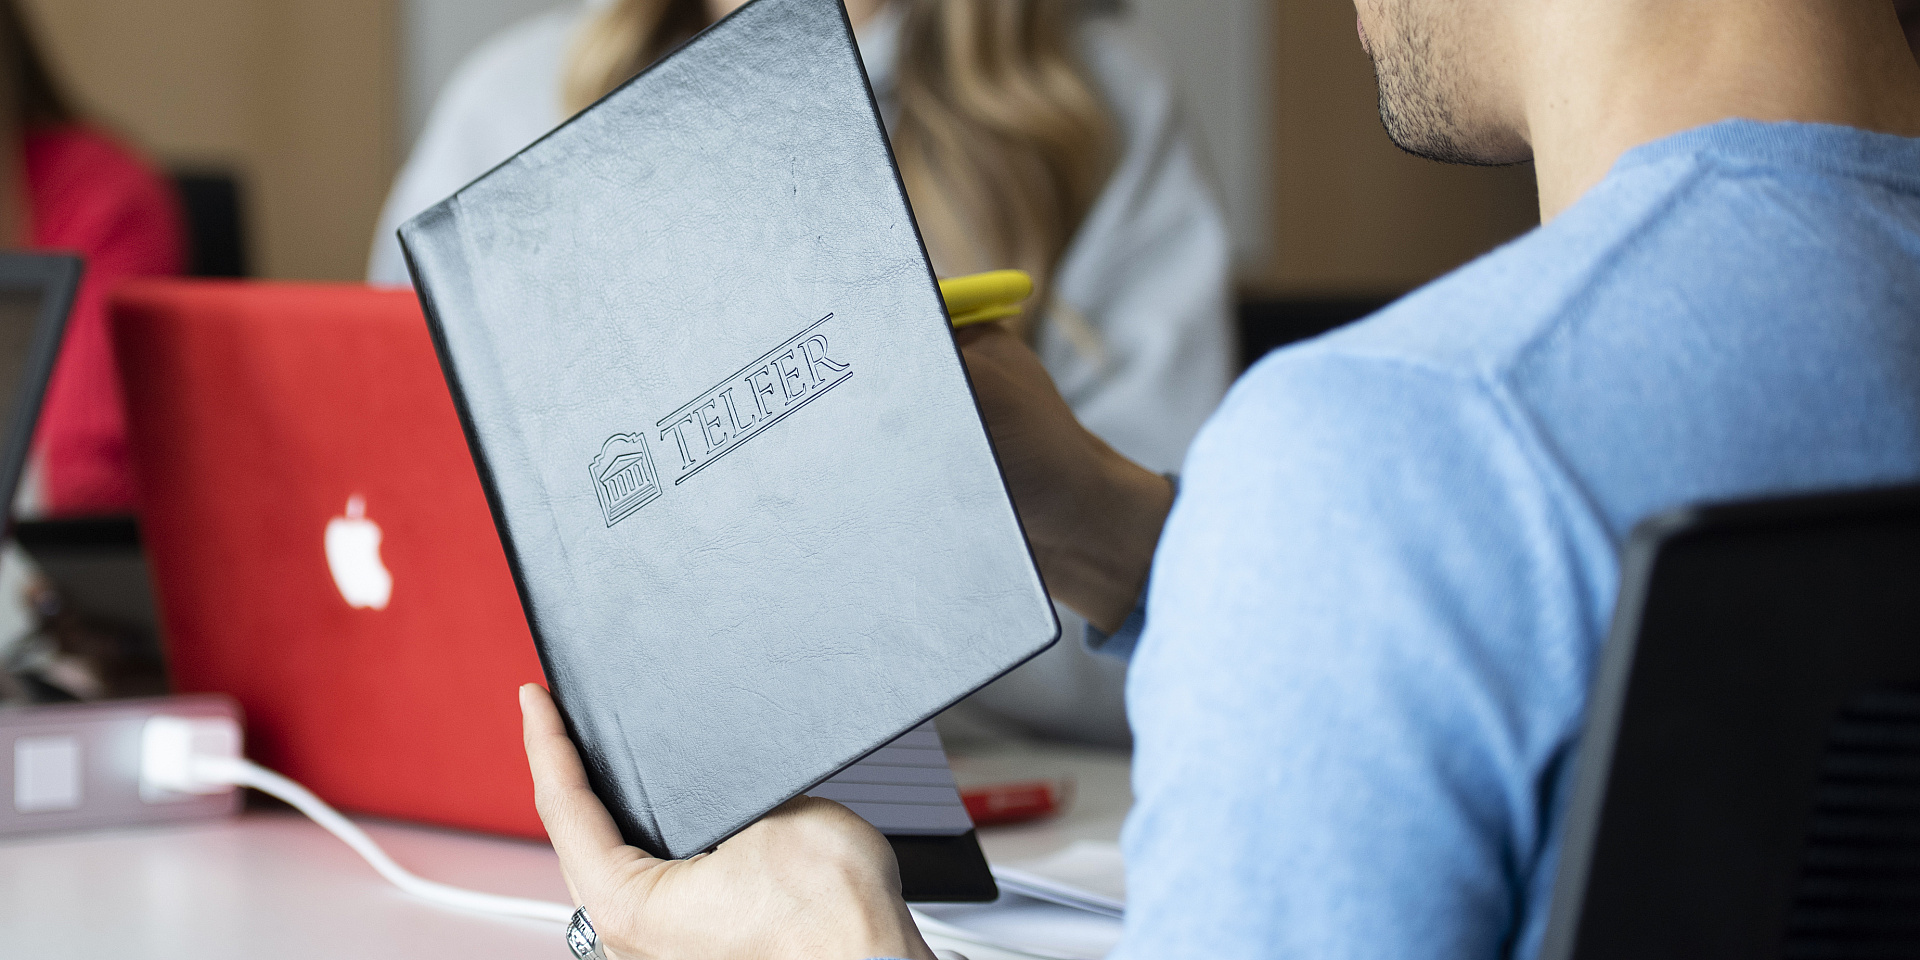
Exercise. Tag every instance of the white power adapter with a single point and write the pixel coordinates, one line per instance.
(170, 747)
(79, 766)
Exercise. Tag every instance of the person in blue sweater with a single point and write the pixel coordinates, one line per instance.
(1372, 615)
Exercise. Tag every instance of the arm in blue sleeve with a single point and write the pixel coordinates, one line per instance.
(1120, 643)
(1359, 673)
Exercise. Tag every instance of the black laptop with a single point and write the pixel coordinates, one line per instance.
(1749, 784)
(36, 293)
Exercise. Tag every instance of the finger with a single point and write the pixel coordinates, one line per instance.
(583, 833)
(968, 336)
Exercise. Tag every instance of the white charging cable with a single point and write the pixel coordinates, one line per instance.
(200, 755)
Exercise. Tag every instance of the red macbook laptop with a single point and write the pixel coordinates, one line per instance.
(323, 552)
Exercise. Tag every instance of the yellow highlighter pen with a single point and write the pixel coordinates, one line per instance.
(985, 297)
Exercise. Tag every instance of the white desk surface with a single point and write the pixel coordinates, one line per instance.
(272, 884)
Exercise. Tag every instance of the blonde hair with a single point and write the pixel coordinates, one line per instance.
(1002, 139)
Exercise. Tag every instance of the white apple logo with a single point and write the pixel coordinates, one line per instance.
(353, 554)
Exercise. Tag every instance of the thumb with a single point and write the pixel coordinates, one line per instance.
(583, 833)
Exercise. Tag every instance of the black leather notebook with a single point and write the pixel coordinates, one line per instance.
(728, 440)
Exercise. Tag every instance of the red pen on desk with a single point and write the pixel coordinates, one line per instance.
(996, 804)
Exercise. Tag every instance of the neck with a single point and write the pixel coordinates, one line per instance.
(1605, 76)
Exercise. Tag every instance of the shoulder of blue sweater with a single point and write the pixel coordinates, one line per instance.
(1482, 318)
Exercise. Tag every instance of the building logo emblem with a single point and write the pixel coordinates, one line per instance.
(624, 477)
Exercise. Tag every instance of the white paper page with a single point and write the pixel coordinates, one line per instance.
(903, 788)
(1023, 926)
(1090, 875)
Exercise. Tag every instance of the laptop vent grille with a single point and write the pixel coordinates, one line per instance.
(1858, 893)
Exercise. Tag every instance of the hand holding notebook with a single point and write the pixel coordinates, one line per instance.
(809, 880)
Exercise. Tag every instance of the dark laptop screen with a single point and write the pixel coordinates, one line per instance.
(36, 291)
(20, 311)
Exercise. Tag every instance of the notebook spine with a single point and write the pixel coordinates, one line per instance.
(426, 260)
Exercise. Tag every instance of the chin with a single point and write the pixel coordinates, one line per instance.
(1445, 143)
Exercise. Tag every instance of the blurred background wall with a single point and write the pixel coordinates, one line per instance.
(1351, 213)
(298, 97)
(313, 103)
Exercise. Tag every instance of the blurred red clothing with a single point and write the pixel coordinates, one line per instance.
(91, 196)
